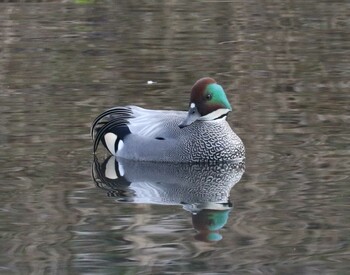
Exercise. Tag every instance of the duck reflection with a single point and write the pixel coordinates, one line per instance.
(201, 189)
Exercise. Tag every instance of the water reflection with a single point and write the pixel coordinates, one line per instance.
(201, 189)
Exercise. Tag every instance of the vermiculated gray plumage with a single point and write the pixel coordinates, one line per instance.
(155, 136)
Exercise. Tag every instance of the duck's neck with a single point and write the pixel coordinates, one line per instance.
(217, 114)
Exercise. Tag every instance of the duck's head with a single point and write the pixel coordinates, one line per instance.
(208, 102)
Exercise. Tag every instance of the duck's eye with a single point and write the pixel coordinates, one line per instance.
(208, 96)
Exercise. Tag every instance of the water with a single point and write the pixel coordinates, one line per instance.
(285, 66)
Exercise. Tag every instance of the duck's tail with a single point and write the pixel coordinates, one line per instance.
(110, 128)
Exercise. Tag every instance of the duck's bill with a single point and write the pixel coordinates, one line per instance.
(192, 116)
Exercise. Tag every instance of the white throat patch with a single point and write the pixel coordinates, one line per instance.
(216, 114)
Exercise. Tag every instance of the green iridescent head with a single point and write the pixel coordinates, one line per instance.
(208, 102)
(215, 98)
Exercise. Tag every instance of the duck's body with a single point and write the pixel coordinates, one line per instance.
(168, 136)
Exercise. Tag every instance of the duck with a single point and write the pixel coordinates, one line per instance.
(200, 135)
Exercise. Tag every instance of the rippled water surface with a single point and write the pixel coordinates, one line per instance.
(286, 69)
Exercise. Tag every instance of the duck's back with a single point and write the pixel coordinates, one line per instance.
(156, 124)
